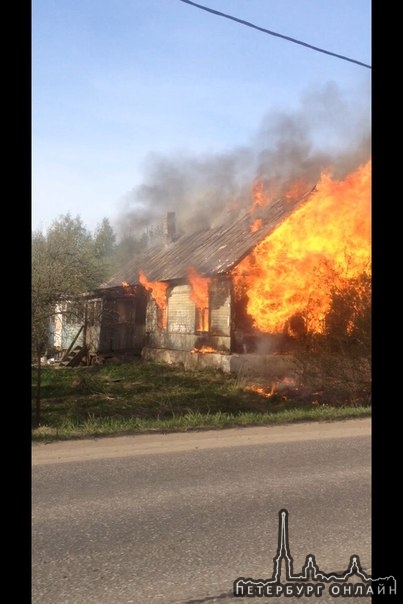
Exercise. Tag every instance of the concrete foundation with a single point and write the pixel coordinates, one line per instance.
(275, 366)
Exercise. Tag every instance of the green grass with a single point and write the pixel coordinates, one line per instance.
(138, 397)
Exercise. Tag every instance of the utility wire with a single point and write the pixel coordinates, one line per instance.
(272, 33)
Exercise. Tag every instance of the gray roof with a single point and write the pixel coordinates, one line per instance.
(211, 252)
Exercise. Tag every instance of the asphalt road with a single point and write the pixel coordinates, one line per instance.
(178, 518)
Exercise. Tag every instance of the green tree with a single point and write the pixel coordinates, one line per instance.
(105, 248)
(64, 267)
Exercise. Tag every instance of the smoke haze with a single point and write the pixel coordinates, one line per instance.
(325, 133)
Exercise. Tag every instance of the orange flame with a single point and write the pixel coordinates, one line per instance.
(330, 235)
(204, 349)
(200, 296)
(158, 290)
(275, 387)
(256, 225)
(129, 290)
(263, 193)
(259, 198)
(261, 391)
(296, 190)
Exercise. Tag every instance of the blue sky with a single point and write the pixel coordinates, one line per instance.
(126, 91)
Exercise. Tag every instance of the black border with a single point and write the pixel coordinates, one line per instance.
(386, 332)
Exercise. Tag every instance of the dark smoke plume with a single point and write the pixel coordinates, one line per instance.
(325, 133)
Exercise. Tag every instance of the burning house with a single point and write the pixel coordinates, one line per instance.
(240, 290)
(246, 286)
(194, 313)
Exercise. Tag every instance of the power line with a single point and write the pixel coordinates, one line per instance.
(272, 33)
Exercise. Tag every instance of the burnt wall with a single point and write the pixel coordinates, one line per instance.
(176, 327)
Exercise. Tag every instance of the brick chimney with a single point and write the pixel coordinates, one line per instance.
(169, 229)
